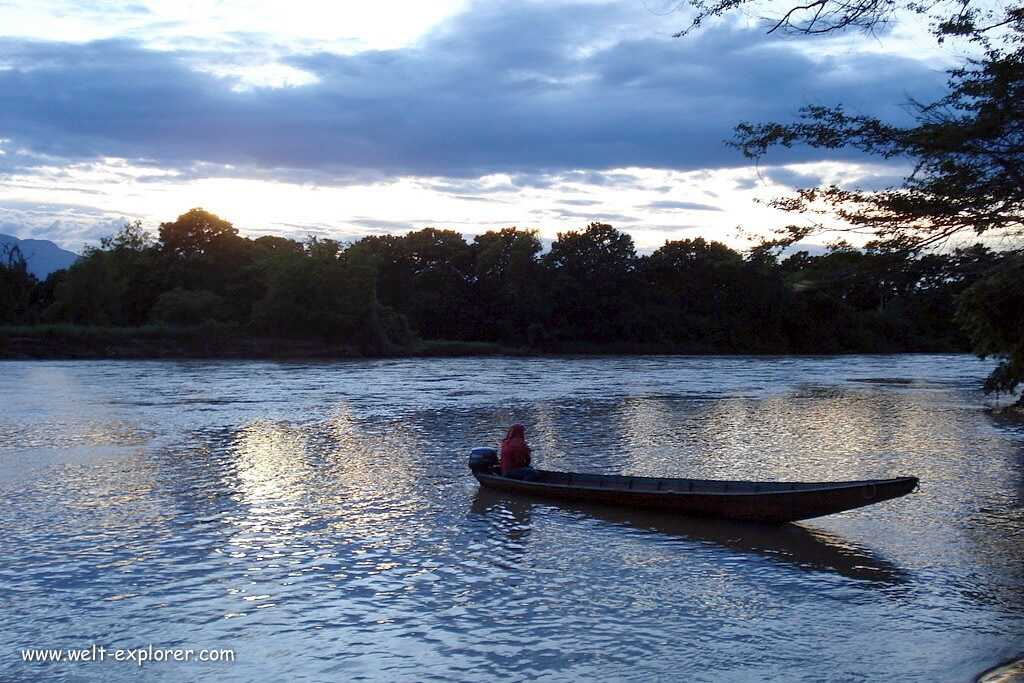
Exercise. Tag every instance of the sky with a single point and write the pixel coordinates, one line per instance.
(345, 119)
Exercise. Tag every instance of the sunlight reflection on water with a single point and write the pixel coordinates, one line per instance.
(320, 520)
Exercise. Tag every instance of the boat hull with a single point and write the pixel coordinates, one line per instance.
(759, 501)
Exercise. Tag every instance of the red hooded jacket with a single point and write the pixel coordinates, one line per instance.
(514, 451)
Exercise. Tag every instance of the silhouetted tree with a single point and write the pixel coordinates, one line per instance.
(507, 287)
(697, 292)
(990, 310)
(440, 303)
(962, 18)
(593, 285)
(16, 286)
(206, 253)
(91, 292)
(316, 294)
(196, 233)
(967, 148)
(591, 291)
(115, 284)
(426, 276)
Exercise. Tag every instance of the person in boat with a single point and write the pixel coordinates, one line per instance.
(515, 455)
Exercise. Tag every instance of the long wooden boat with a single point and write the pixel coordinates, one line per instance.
(751, 500)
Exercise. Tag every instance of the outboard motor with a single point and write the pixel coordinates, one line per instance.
(484, 459)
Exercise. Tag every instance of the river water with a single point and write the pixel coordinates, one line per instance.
(318, 520)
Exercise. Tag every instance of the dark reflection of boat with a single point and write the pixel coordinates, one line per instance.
(806, 548)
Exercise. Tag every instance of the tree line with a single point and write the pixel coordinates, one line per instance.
(591, 291)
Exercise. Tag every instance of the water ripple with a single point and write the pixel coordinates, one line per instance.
(318, 519)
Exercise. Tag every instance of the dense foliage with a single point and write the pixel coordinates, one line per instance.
(966, 150)
(590, 291)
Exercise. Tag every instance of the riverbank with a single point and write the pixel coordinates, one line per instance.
(69, 342)
(1013, 412)
(221, 341)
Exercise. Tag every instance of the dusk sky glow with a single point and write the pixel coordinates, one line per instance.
(347, 119)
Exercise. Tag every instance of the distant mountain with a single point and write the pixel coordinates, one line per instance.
(43, 256)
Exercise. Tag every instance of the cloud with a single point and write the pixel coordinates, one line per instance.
(71, 226)
(475, 188)
(579, 202)
(601, 178)
(526, 89)
(668, 205)
(591, 217)
(672, 228)
(793, 179)
(384, 227)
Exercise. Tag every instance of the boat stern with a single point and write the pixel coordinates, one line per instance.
(483, 459)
